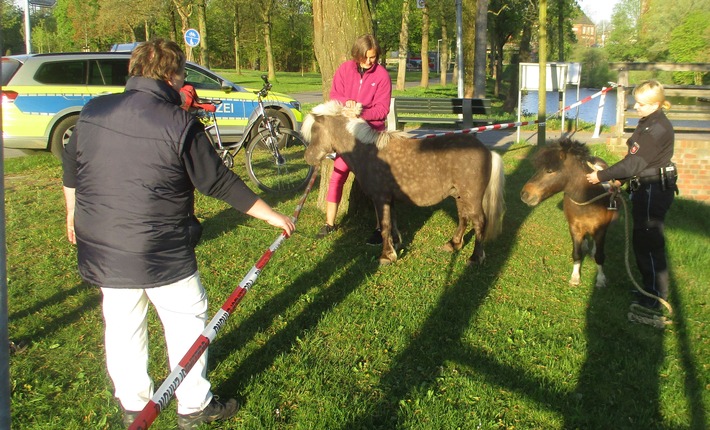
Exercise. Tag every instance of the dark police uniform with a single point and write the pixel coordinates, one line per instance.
(652, 178)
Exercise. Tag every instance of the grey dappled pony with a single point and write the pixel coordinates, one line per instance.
(391, 166)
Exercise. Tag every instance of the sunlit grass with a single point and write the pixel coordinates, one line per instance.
(326, 339)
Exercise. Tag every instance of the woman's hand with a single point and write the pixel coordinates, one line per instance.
(593, 178)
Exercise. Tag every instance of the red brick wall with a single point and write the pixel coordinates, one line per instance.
(692, 156)
(693, 160)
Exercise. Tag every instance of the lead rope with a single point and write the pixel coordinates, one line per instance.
(637, 313)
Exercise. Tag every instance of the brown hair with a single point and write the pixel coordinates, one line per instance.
(651, 91)
(363, 44)
(158, 59)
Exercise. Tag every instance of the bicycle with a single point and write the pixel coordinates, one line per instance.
(274, 155)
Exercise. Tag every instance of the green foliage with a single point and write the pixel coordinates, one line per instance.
(624, 42)
(655, 35)
(326, 339)
(690, 43)
(12, 36)
(595, 67)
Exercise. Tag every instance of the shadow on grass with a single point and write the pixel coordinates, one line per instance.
(618, 385)
(88, 297)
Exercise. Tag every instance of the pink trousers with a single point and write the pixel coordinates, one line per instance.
(337, 180)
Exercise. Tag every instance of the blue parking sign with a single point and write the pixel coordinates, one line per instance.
(192, 37)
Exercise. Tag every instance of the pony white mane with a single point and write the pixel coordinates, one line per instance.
(331, 108)
(357, 127)
(362, 132)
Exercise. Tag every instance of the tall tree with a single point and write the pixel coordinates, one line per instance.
(469, 10)
(184, 10)
(623, 43)
(124, 20)
(443, 49)
(481, 45)
(267, 7)
(12, 33)
(403, 46)
(505, 23)
(336, 25)
(77, 24)
(425, 47)
(202, 26)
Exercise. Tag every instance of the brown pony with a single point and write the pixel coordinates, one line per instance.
(390, 166)
(562, 166)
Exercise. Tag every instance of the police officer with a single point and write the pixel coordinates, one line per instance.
(652, 180)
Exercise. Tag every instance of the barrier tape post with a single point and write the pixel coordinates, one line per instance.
(600, 111)
(162, 396)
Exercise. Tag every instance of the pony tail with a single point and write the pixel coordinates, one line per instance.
(493, 199)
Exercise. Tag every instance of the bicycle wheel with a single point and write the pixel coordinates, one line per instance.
(278, 170)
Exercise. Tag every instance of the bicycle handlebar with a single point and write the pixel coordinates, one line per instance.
(264, 91)
(206, 104)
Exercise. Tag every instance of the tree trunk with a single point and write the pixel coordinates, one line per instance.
(480, 56)
(444, 50)
(523, 56)
(202, 25)
(336, 25)
(425, 47)
(561, 30)
(403, 45)
(266, 7)
(237, 27)
(184, 12)
(468, 8)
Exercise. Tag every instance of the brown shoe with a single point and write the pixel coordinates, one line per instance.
(325, 231)
(213, 412)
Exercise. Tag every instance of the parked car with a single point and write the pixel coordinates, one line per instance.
(42, 95)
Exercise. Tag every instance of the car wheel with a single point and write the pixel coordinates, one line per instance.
(61, 134)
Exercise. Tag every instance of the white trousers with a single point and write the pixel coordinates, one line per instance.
(182, 308)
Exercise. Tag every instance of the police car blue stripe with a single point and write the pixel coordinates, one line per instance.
(49, 104)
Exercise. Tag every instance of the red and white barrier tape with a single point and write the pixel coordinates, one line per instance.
(586, 99)
(522, 123)
(162, 397)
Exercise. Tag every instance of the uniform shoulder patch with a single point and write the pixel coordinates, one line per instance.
(634, 148)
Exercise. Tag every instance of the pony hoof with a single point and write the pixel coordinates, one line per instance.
(574, 282)
(452, 247)
(478, 261)
(601, 284)
(385, 261)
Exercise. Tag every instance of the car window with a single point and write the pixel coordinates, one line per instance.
(9, 67)
(62, 72)
(108, 72)
(200, 80)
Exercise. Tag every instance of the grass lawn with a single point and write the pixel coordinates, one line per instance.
(326, 339)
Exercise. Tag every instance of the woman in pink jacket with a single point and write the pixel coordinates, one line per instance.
(360, 81)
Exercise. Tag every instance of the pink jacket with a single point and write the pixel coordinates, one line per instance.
(373, 90)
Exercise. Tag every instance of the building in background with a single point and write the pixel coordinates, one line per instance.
(585, 30)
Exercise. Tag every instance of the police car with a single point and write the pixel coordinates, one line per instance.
(42, 95)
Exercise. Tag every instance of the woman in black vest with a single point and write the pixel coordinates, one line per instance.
(131, 169)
